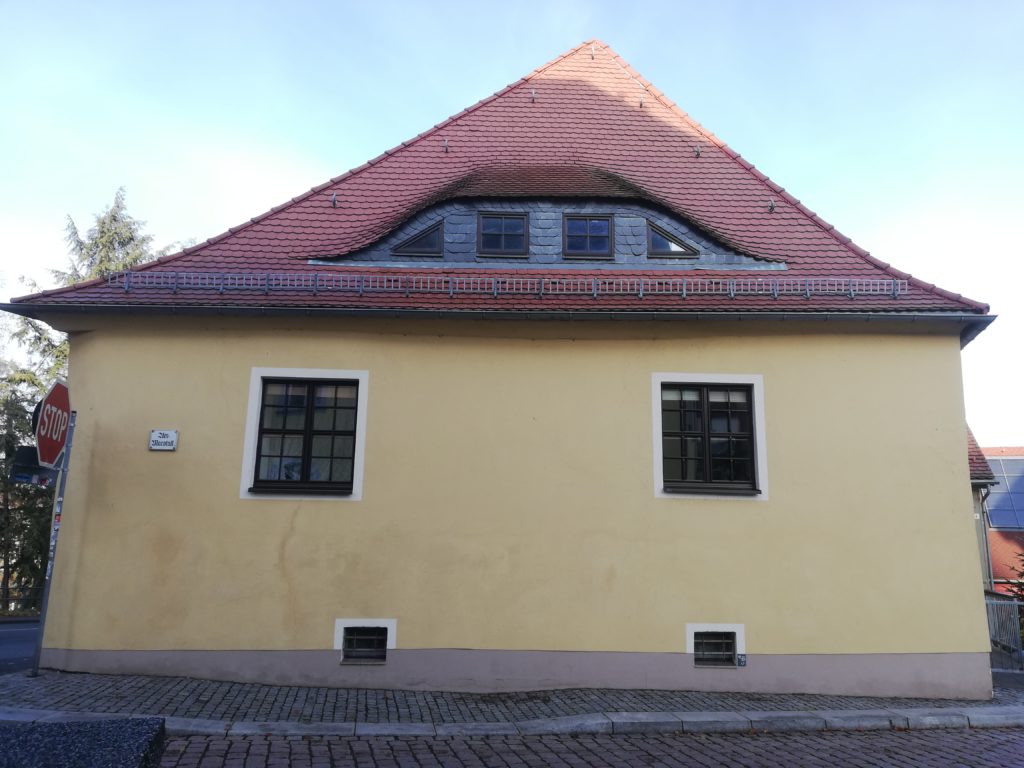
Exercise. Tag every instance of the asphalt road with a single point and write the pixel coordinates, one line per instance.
(909, 749)
(17, 644)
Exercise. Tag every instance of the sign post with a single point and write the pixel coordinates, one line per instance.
(54, 434)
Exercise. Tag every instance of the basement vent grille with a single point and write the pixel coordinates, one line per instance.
(714, 649)
(365, 644)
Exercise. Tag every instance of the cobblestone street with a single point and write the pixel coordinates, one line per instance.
(939, 749)
(192, 698)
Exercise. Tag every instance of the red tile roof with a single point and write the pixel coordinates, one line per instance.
(995, 453)
(586, 124)
(1004, 546)
(981, 472)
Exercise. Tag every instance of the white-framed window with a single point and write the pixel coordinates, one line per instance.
(305, 434)
(709, 435)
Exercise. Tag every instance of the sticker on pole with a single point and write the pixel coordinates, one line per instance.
(52, 426)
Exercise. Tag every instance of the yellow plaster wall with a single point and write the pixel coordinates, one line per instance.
(508, 495)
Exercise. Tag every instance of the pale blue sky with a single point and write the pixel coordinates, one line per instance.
(898, 122)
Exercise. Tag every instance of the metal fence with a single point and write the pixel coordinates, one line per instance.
(20, 600)
(1004, 629)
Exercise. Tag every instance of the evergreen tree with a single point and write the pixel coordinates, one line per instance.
(24, 509)
(115, 243)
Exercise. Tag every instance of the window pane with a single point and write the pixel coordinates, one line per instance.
(694, 447)
(291, 469)
(269, 469)
(490, 242)
(292, 446)
(741, 448)
(659, 242)
(599, 227)
(672, 447)
(737, 396)
(599, 244)
(719, 447)
(296, 419)
(721, 470)
(741, 471)
(514, 242)
(691, 394)
(319, 469)
(322, 445)
(323, 418)
(718, 396)
(514, 225)
(719, 422)
(576, 226)
(577, 243)
(670, 421)
(275, 394)
(344, 447)
(692, 421)
(296, 396)
(271, 446)
(491, 224)
(273, 418)
(341, 470)
(324, 395)
(345, 420)
(346, 396)
(670, 394)
(694, 470)
(673, 470)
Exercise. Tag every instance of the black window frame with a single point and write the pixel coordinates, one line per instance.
(403, 249)
(714, 648)
(362, 644)
(607, 255)
(308, 432)
(689, 253)
(707, 484)
(504, 215)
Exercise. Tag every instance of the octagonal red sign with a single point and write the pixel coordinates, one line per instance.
(52, 427)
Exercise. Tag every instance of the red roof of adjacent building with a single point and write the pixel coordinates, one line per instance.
(981, 472)
(584, 125)
(1004, 548)
(995, 453)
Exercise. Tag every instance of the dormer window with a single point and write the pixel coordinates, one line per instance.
(502, 234)
(661, 243)
(427, 242)
(587, 237)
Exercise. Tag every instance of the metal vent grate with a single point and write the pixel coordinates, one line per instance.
(714, 649)
(365, 644)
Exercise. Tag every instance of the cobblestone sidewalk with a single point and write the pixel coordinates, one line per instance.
(211, 700)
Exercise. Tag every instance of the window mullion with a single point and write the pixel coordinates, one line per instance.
(705, 423)
(307, 435)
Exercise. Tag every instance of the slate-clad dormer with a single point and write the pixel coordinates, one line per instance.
(572, 233)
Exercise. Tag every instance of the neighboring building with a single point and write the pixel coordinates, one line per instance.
(562, 392)
(982, 480)
(1005, 505)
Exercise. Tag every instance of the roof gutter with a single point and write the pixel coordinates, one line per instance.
(972, 324)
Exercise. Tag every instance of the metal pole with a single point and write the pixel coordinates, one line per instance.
(58, 505)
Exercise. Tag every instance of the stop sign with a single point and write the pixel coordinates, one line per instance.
(52, 428)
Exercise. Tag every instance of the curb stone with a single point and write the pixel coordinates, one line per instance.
(607, 722)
